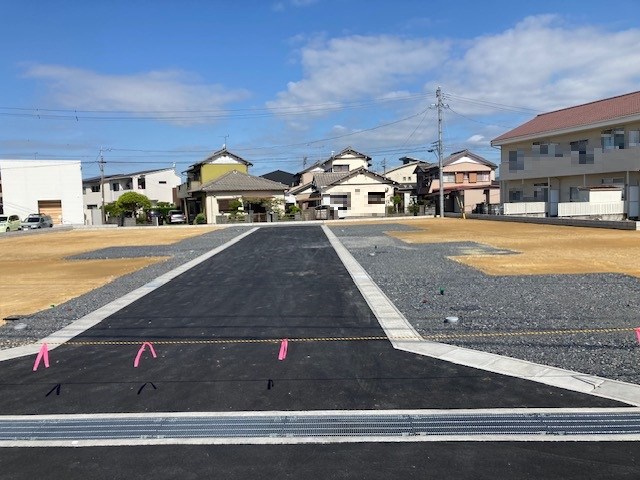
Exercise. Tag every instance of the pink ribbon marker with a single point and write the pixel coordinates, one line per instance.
(43, 354)
(136, 362)
(283, 349)
(638, 334)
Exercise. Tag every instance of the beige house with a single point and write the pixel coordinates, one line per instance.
(561, 163)
(406, 178)
(358, 193)
(469, 183)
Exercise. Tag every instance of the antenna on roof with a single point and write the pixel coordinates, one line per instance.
(224, 145)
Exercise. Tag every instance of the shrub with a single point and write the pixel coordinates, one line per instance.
(200, 219)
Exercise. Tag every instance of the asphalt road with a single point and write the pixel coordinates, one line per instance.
(277, 283)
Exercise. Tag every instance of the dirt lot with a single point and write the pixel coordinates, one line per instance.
(540, 249)
(36, 275)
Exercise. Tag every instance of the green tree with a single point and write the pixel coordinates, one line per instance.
(132, 202)
(112, 209)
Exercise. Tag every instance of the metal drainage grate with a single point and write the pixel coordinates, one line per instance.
(293, 426)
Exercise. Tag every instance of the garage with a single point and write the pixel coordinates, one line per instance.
(53, 208)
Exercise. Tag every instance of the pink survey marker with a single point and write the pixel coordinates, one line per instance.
(136, 362)
(283, 349)
(43, 354)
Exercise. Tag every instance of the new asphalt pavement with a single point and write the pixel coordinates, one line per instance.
(218, 329)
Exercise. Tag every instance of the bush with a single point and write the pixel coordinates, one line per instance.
(200, 219)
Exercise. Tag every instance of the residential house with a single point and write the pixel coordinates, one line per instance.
(307, 191)
(252, 191)
(357, 193)
(468, 183)
(158, 185)
(50, 187)
(214, 166)
(406, 178)
(581, 161)
(222, 177)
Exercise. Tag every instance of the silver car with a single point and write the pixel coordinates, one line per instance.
(176, 216)
(37, 220)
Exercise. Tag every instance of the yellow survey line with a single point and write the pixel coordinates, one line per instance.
(437, 337)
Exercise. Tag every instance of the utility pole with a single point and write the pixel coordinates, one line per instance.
(101, 164)
(440, 106)
(384, 165)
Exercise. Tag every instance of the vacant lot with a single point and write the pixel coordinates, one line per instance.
(36, 273)
(538, 249)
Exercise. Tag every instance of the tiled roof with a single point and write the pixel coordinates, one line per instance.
(125, 175)
(466, 153)
(578, 116)
(222, 153)
(236, 181)
(363, 171)
(323, 179)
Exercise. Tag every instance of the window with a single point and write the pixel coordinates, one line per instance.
(341, 199)
(448, 178)
(115, 186)
(634, 138)
(579, 150)
(375, 198)
(340, 168)
(95, 188)
(574, 194)
(541, 192)
(540, 148)
(162, 182)
(516, 160)
(141, 183)
(459, 177)
(613, 139)
(484, 176)
(473, 177)
(92, 207)
(515, 195)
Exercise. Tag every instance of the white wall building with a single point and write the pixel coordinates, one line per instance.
(52, 187)
(157, 185)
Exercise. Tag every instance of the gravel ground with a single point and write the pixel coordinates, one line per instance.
(412, 276)
(43, 323)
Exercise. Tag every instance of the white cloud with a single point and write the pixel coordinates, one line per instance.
(358, 67)
(152, 93)
(282, 5)
(544, 63)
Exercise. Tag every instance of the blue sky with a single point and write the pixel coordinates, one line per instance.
(158, 83)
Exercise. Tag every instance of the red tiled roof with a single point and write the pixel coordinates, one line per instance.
(580, 115)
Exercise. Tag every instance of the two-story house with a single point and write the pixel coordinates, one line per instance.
(581, 161)
(158, 185)
(214, 183)
(469, 181)
(343, 186)
(406, 178)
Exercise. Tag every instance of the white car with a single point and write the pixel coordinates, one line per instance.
(10, 223)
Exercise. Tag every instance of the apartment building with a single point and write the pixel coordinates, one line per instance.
(581, 161)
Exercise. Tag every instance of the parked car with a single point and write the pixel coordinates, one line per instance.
(176, 216)
(37, 220)
(155, 214)
(10, 223)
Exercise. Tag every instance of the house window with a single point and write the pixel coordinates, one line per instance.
(92, 207)
(634, 138)
(541, 192)
(515, 195)
(340, 168)
(162, 182)
(342, 200)
(95, 188)
(375, 198)
(448, 178)
(115, 187)
(141, 183)
(473, 177)
(459, 177)
(516, 160)
(579, 150)
(128, 185)
(574, 194)
(483, 176)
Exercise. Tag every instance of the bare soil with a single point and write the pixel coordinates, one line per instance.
(35, 273)
(538, 249)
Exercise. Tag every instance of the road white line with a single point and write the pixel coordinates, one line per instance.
(396, 325)
(82, 324)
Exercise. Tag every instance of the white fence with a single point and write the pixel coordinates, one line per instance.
(576, 209)
(524, 208)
